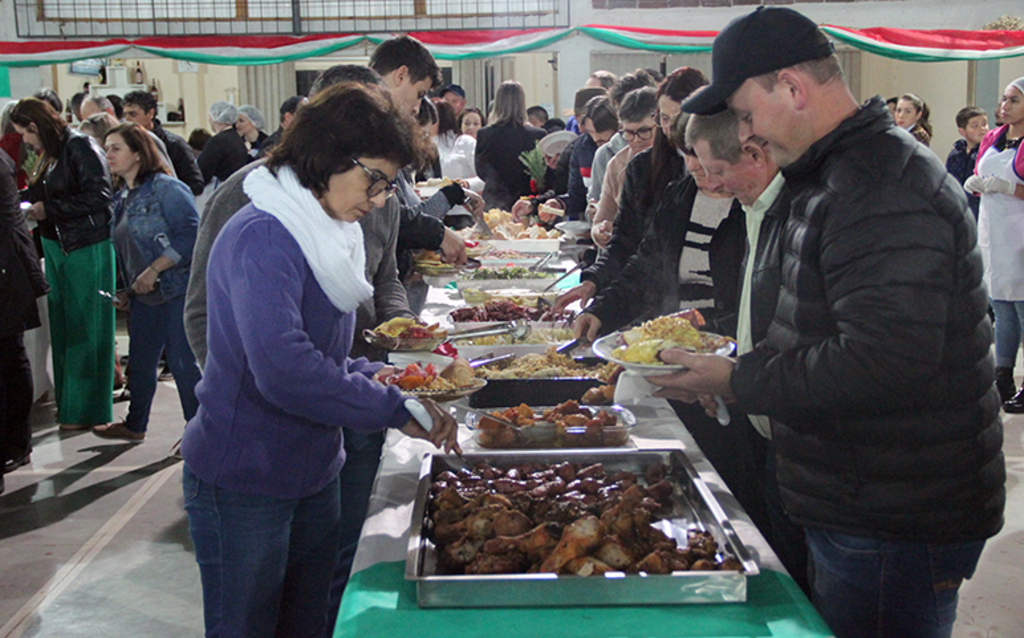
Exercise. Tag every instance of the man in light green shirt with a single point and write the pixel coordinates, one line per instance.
(747, 170)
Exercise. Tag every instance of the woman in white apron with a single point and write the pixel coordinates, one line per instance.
(998, 178)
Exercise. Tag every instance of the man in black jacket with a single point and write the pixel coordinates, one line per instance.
(140, 107)
(876, 370)
(21, 281)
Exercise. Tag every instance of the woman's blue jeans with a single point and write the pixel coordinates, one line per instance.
(151, 329)
(873, 588)
(266, 563)
(1009, 327)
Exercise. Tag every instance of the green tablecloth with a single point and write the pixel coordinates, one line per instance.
(380, 603)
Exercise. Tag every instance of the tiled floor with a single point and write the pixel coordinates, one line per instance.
(93, 540)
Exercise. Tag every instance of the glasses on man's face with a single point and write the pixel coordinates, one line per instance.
(643, 133)
(379, 182)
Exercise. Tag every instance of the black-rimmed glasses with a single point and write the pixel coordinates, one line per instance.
(379, 182)
(643, 133)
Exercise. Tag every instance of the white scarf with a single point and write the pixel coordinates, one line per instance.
(332, 248)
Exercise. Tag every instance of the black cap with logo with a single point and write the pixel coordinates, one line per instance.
(769, 39)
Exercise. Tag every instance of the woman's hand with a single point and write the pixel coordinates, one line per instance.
(383, 374)
(453, 248)
(36, 211)
(474, 204)
(145, 283)
(444, 431)
(547, 218)
(601, 233)
(521, 210)
(586, 327)
(120, 301)
(582, 293)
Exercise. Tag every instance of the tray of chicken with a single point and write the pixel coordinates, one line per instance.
(555, 528)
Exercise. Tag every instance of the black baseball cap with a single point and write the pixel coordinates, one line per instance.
(769, 39)
(454, 88)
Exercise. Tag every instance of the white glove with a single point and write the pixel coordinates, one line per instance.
(975, 184)
(995, 184)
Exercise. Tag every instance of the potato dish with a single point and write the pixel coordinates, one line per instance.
(681, 330)
(548, 366)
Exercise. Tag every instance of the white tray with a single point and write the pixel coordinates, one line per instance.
(505, 284)
(527, 245)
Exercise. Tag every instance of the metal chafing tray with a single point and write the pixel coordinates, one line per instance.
(695, 509)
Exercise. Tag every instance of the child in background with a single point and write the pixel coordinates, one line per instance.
(972, 124)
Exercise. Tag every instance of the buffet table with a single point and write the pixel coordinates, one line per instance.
(380, 603)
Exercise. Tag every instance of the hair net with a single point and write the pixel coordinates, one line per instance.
(223, 112)
(1018, 83)
(254, 116)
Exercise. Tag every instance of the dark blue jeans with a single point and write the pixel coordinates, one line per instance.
(873, 588)
(362, 457)
(151, 329)
(265, 562)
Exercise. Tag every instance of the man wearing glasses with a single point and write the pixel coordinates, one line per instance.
(637, 119)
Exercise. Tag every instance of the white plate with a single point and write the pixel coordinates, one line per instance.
(606, 345)
(577, 229)
(443, 396)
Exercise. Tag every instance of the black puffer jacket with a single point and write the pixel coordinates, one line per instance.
(632, 220)
(76, 194)
(877, 367)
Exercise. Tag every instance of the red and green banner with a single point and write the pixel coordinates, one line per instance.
(903, 44)
(940, 45)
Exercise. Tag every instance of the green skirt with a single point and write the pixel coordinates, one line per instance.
(82, 331)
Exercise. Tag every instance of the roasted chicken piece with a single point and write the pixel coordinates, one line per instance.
(536, 543)
(614, 553)
(509, 563)
(587, 566)
(509, 522)
(455, 556)
(578, 539)
(477, 525)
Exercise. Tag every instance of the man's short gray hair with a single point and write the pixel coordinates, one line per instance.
(101, 102)
(722, 133)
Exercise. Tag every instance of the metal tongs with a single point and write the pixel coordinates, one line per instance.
(518, 329)
(570, 271)
(485, 414)
(540, 263)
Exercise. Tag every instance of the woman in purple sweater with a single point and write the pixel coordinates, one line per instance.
(262, 455)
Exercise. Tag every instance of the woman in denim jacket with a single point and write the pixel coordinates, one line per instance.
(154, 230)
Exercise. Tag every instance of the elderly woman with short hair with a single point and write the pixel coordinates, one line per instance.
(285, 277)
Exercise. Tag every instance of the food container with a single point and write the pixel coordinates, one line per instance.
(504, 284)
(544, 435)
(527, 245)
(536, 391)
(695, 508)
(502, 392)
(476, 297)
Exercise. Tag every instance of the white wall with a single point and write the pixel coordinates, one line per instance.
(199, 90)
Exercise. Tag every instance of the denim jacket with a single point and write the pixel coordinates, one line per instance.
(163, 221)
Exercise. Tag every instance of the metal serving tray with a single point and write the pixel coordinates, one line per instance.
(696, 508)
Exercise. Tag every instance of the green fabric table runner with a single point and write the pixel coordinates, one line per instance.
(380, 603)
